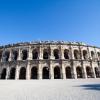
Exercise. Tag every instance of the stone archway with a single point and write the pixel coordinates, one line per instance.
(35, 54)
(3, 74)
(97, 73)
(89, 72)
(57, 73)
(34, 73)
(79, 72)
(12, 73)
(15, 55)
(45, 73)
(56, 53)
(22, 74)
(45, 54)
(68, 72)
(24, 55)
(66, 54)
(76, 54)
(85, 54)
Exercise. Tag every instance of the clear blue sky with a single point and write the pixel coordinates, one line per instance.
(68, 20)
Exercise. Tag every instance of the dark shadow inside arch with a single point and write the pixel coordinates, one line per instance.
(15, 55)
(22, 74)
(45, 54)
(3, 74)
(57, 73)
(35, 54)
(56, 53)
(79, 72)
(6, 55)
(45, 73)
(66, 54)
(97, 72)
(34, 73)
(12, 73)
(89, 72)
(24, 55)
(68, 72)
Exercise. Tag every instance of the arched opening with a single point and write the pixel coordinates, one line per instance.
(24, 55)
(12, 73)
(66, 54)
(89, 72)
(68, 72)
(98, 53)
(22, 74)
(15, 55)
(84, 54)
(35, 54)
(0, 55)
(92, 54)
(34, 73)
(3, 74)
(45, 54)
(56, 53)
(57, 73)
(45, 73)
(76, 54)
(6, 55)
(97, 73)
(79, 72)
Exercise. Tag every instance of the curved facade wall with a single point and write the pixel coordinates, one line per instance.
(49, 60)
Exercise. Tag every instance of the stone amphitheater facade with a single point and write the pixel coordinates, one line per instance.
(49, 60)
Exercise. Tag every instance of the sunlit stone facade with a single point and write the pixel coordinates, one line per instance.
(49, 60)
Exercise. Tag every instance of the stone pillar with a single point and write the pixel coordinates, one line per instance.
(7, 73)
(28, 71)
(17, 72)
(52, 56)
(63, 72)
(30, 54)
(84, 72)
(62, 54)
(51, 72)
(93, 71)
(19, 54)
(73, 72)
(41, 53)
(72, 53)
(39, 71)
(10, 55)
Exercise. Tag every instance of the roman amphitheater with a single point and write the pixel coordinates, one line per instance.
(49, 60)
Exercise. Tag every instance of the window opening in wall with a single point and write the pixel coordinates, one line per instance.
(35, 54)
(84, 54)
(3, 74)
(24, 55)
(57, 73)
(22, 74)
(12, 73)
(92, 54)
(34, 73)
(45, 54)
(89, 72)
(68, 72)
(15, 55)
(76, 54)
(56, 54)
(79, 72)
(97, 72)
(66, 54)
(0, 55)
(45, 73)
